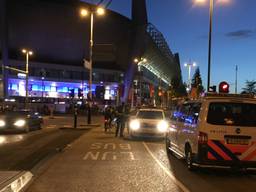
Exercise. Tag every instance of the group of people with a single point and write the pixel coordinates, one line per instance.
(119, 115)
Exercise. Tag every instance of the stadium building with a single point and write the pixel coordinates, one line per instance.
(131, 59)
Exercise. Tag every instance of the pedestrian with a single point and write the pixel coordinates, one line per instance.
(120, 120)
(107, 115)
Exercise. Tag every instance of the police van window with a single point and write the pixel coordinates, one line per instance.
(194, 112)
(184, 111)
(232, 114)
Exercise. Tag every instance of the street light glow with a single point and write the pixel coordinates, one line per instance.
(84, 12)
(200, 2)
(100, 11)
(136, 60)
(30, 53)
(144, 60)
(24, 51)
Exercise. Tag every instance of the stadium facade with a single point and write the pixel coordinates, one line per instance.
(59, 38)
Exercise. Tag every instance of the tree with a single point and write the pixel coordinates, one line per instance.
(197, 82)
(178, 88)
(250, 87)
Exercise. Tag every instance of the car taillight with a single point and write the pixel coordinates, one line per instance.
(202, 138)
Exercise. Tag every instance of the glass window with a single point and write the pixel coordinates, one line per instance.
(35, 88)
(232, 114)
(150, 115)
(47, 88)
(14, 87)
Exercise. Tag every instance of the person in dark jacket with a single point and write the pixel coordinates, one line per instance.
(120, 120)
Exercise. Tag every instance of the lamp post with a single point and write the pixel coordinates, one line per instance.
(236, 80)
(139, 62)
(210, 46)
(189, 66)
(27, 53)
(84, 13)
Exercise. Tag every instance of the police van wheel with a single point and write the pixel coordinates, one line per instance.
(168, 146)
(189, 159)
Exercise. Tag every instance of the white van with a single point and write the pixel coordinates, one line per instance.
(215, 131)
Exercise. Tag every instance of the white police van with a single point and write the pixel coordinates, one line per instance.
(218, 130)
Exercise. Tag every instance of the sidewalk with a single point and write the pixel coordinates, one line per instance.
(14, 180)
(101, 162)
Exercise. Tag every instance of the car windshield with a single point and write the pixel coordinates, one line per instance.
(150, 115)
(232, 114)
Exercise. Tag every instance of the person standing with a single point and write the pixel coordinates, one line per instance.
(120, 120)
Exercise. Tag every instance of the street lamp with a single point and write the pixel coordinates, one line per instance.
(210, 36)
(189, 66)
(84, 13)
(27, 53)
(139, 62)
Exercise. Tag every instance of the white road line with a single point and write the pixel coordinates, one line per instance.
(166, 170)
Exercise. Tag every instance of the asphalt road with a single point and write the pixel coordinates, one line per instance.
(100, 162)
(22, 151)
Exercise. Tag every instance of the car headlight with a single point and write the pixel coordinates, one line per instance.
(134, 124)
(20, 123)
(2, 123)
(162, 126)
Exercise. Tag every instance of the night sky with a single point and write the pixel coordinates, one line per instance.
(186, 25)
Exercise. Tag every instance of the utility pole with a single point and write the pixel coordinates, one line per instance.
(236, 80)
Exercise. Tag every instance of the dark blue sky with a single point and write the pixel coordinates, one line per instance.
(185, 27)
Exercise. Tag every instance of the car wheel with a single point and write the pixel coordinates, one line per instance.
(131, 134)
(40, 126)
(189, 159)
(168, 145)
(27, 129)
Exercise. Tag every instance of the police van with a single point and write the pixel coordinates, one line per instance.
(218, 130)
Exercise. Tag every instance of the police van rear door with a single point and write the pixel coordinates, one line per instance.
(231, 129)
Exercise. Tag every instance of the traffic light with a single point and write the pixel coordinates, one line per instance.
(213, 89)
(72, 93)
(224, 87)
(80, 93)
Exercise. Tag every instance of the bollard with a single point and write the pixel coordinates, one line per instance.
(75, 117)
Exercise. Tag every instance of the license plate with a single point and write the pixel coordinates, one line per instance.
(237, 141)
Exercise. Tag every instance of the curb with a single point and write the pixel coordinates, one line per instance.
(91, 125)
(17, 182)
(75, 129)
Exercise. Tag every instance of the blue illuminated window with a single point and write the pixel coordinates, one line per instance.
(53, 89)
(47, 88)
(14, 87)
(35, 88)
(76, 90)
(65, 90)
(59, 89)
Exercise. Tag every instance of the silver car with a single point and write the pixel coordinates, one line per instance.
(148, 122)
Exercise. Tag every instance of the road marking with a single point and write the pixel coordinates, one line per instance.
(51, 126)
(109, 151)
(166, 170)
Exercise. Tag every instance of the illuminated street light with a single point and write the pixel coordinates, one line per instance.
(27, 53)
(189, 66)
(100, 11)
(210, 35)
(139, 63)
(84, 13)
